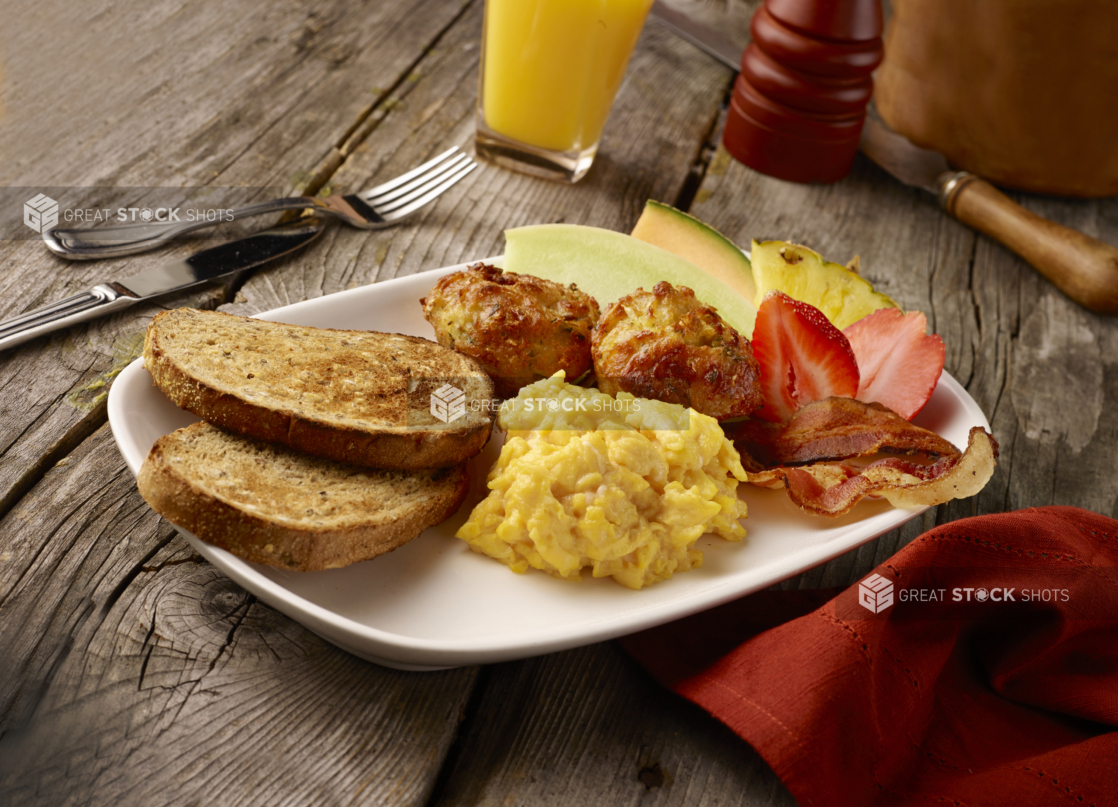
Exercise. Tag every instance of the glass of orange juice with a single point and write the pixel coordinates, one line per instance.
(549, 72)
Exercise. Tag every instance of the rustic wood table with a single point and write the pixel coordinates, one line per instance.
(132, 672)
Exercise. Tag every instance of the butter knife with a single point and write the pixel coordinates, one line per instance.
(1082, 267)
(207, 264)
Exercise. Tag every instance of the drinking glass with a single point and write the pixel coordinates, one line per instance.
(549, 72)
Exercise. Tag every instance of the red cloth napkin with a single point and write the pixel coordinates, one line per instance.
(988, 698)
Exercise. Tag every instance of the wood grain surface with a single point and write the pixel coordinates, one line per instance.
(136, 673)
(132, 672)
(230, 94)
(1082, 267)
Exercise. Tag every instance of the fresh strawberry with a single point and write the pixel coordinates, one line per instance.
(802, 356)
(899, 363)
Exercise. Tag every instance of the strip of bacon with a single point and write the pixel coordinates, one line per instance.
(802, 455)
(948, 478)
(834, 429)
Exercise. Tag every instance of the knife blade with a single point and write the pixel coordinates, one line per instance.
(1083, 268)
(699, 35)
(205, 265)
(902, 158)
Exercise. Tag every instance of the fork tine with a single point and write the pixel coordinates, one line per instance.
(431, 195)
(398, 199)
(400, 180)
(417, 184)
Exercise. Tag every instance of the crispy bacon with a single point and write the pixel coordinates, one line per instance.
(802, 456)
(835, 429)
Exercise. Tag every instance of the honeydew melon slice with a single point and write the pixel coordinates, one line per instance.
(684, 235)
(608, 265)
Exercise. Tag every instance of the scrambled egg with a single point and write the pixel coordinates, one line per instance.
(624, 486)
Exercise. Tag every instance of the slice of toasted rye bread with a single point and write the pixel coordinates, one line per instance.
(353, 396)
(268, 504)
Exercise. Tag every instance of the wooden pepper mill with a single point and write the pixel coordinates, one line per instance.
(798, 105)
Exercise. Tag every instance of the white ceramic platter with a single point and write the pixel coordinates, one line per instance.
(434, 604)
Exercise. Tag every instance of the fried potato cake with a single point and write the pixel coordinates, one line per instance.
(666, 344)
(518, 327)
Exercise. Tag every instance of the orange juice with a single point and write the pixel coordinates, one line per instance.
(552, 67)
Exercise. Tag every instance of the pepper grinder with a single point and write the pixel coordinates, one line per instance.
(798, 105)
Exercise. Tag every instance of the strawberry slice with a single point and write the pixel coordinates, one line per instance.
(900, 364)
(802, 357)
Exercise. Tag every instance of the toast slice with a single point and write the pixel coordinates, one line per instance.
(354, 396)
(268, 504)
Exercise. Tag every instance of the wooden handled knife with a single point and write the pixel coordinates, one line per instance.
(1082, 267)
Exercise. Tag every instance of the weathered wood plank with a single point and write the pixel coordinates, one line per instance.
(135, 673)
(1060, 375)
(182, 92)
(589, 727)
(177, 94)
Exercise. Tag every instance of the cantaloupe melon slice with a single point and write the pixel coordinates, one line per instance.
(608, 265)
(681, 234)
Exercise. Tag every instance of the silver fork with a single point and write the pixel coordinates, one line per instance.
(381, 206)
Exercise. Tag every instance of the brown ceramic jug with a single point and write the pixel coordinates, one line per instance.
(1021, 92)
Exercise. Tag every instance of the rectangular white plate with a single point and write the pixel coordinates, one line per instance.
(434, 604)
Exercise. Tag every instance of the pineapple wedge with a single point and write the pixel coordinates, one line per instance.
(804, 275)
